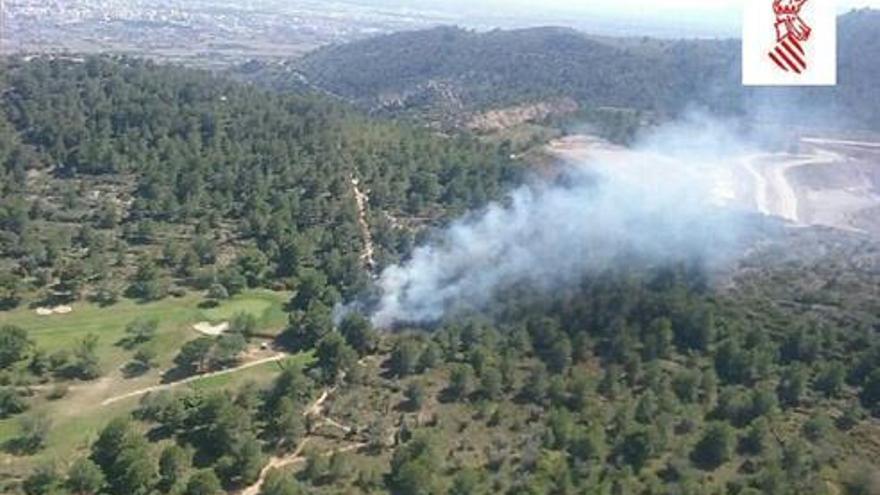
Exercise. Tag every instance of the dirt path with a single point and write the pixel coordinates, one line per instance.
(316, 408)
(760, 185)
(774, 193)
(362, 199)
(166, 386)
(843, 142)
(786, 197)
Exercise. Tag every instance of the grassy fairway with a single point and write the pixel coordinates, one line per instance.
(175, 316)
(77, 417)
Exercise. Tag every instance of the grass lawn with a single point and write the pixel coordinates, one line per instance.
(175, 316)
(78, 416)
(267, 307)
(259, 375)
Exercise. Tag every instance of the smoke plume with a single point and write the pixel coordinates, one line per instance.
(666, 199)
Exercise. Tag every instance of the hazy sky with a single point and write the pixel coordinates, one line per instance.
(702, 17)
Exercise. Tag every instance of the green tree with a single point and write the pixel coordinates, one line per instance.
(218, 292)
(334, 357)
(467, 481)
(146, 283)
(14, 344)
(193, 355)
(536, 386)
(818, 427)
(831, 378)
(174, 461)
(84, 477)
(11, 402)
(34, 430)
(9, 291)
(491, 386)
(757, 437)
(558, 356)
(311, 287)
(278, 483)
(870, 394)
(204, 482)
(792, 385)
(404, 357)
(133, 471)
(460, 378)
(414, 468)
(86, 364)
(44, 480)
(307, 328)
(287, 425)
(359, 333)
(141, 330)
(715, 447)
(246, 461)
(637, 447)
(415, 395)
(227, 350)
(244, 324)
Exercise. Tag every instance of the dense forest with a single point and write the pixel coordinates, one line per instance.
(112, 164)
(123, 180)
(447, 70)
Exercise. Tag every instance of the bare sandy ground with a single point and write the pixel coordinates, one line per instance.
(361, 199)
(827, 182)
(56, 310)
(206, 328)
(315, 410)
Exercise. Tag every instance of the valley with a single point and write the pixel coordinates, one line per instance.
(313, 248)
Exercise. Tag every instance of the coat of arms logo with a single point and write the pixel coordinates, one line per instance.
(792, 34)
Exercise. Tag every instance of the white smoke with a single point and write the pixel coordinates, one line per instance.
(663, 200)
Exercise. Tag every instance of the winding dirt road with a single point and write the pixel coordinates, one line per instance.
(316, 408)
(361, 199)
(773, 191)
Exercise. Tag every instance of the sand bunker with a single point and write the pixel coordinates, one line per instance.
(57, 310)
(205, 327)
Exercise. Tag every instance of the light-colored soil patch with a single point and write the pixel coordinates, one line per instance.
(827, 182)
(206, 328)
(315, 410)
(56, 310)
(361, 199)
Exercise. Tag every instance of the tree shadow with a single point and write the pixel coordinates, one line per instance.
(176, 374)
(20, 446)
(134, 369)
(9, 304)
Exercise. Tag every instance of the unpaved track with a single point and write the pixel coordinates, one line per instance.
(361, 199)
(166, 386)
(843, 142)
(316, 408)
(773, 192)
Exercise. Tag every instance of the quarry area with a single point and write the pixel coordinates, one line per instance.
(820, 181)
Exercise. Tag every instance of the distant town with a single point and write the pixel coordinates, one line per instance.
(202, 33)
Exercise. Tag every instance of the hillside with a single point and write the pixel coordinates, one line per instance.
(444, 71)
(187, 265)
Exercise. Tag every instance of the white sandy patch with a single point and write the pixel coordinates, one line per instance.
(772, 183)
(57, 310)
(205, 327)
